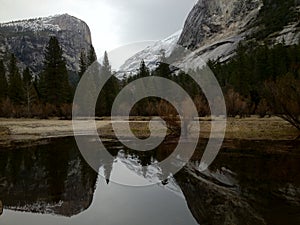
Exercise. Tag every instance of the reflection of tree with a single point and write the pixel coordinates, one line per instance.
(57, 168)
(107, 167)
(48, 178)
(1, 208)
(144, 159)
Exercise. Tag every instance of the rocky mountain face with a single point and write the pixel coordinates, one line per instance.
(214, 28)
(27, 39)
(217, 19)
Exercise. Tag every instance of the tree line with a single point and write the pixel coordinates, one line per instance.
(262, 80)
(258, 80)
(48, 94)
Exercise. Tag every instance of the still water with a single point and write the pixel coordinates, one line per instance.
(249, 183)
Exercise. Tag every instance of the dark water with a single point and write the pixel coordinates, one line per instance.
(249, 183)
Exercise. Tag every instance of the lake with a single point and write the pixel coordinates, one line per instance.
(250, 182)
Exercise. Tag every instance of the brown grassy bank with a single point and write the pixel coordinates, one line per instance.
(252, 128)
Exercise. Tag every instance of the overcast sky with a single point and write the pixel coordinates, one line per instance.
(113, 23)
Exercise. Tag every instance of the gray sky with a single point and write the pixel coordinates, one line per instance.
(113, 23)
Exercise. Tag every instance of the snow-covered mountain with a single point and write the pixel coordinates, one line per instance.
(150, 54)
(35, 25)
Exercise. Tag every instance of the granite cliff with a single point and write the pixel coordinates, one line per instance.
(27, 40)
(214, 28)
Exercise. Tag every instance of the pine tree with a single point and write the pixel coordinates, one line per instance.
(140, 107)
(3, 81)
(15, 86)
(56, 81)
(143, 70)
(92, 57)
(82, 64)
(41, 86)
(163, 69)
(106, 67)
(109, 92)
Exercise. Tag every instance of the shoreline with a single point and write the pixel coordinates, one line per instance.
(14, 132)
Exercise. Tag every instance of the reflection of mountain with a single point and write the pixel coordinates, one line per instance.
(257, 192)
(239, 188)
(46, 179)
(213, 204)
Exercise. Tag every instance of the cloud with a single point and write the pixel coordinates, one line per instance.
(113, 22)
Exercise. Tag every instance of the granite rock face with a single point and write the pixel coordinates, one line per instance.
(212, 18)
(214, 29)
(27, 39)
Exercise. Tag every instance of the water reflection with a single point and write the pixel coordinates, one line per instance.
(49, 179)
(1, 208)
(241, 187)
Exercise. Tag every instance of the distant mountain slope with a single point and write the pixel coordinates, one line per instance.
(151, 54)
(213, 20)
(27, 39)
(214, 28)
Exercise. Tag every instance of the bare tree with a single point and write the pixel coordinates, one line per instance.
(236, 104)
(172, 117)
(284, 98)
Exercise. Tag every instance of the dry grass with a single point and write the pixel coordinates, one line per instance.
(36, 128)
(252, 128)
(4, 131)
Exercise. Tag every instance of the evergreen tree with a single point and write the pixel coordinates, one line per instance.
(56, 82)
(143, 70)
(82, 64)
(140, 107)
(3, 81)
(109, 92)
(27, 77)
(106, 67)
(92, 57)
(15, 86)
(41, 86)
(163, 69)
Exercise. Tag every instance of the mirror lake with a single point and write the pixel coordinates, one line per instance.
(250, 182)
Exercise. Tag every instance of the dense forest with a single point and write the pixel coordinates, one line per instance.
(257, 80)
(274, 16)
(48, 94)
(262, 80)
